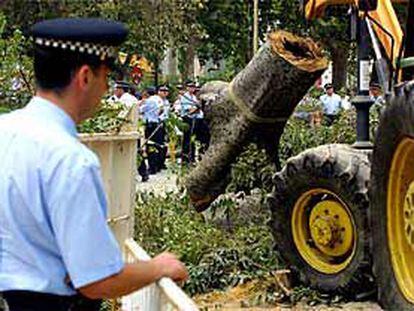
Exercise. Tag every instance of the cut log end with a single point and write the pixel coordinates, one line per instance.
(303, 53)
(200, 204)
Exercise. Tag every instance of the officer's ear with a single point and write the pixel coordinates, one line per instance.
(84, 77)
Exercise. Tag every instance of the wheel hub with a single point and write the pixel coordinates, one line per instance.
(409, 215)
(329, 227)
(324, 230)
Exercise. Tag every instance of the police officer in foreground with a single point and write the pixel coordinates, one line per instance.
(56, 250)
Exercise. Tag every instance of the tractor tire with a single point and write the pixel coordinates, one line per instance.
(392, 207)
(320, 221)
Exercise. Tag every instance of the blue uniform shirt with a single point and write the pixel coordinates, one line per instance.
(150, 110)
(52, 205)
(189, 102)
(165, 106)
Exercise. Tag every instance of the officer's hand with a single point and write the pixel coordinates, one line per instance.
(171, 267)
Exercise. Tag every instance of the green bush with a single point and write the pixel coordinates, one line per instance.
(16, 70)
(106, 120)
(252, 169)
(299, 135)
(216, 258)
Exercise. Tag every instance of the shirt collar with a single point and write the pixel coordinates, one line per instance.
(46, 109)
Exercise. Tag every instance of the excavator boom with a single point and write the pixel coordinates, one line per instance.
(381, 12)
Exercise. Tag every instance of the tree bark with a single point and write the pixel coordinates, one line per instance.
(189, 59)
(171, 62)
(339, 64)
(156, 71)
(269, 87)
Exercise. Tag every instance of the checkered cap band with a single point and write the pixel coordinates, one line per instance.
(102, 51)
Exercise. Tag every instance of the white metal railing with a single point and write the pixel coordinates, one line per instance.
(164, 295)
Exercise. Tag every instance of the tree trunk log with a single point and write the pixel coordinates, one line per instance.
(255, 105)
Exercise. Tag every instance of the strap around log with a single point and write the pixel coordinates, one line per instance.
(250, 115)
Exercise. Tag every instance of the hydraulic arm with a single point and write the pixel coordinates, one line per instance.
(381, 12)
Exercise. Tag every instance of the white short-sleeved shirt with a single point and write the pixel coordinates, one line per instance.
(52, 205)
(331, 104)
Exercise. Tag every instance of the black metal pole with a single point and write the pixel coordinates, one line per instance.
(362, 100)
(408, 73)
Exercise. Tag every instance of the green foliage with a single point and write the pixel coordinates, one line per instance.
(228, 27)
(231, 68)
(252, 169)
(218, 30)
(299, 135)
(15, 69)
(174, 124)
(106, 120)
(216, 258)
(154, 25)
(375, 114)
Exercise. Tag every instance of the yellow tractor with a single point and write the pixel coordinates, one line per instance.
(343, 216)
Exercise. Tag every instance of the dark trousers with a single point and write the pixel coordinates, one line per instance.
(32, 301)
(188, 148)
(142, 168)
(153, 132)
(163, 146)
(202, 134)
(330, 119)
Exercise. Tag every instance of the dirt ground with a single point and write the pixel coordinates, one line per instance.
(354, 306)
(160, 183)
(249, 296)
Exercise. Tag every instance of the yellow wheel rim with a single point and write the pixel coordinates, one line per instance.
(324, 231)
(400, 216)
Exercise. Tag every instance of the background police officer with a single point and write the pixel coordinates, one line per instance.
(56, 249)
(165, 108)
(332, 104)
(150, 111)
(190, 110)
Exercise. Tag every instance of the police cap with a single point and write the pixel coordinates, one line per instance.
(328, 86)
(122, 85)
(374, 85)
(93, 36)
(163, 88)
(190, 84)
(151, 90)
